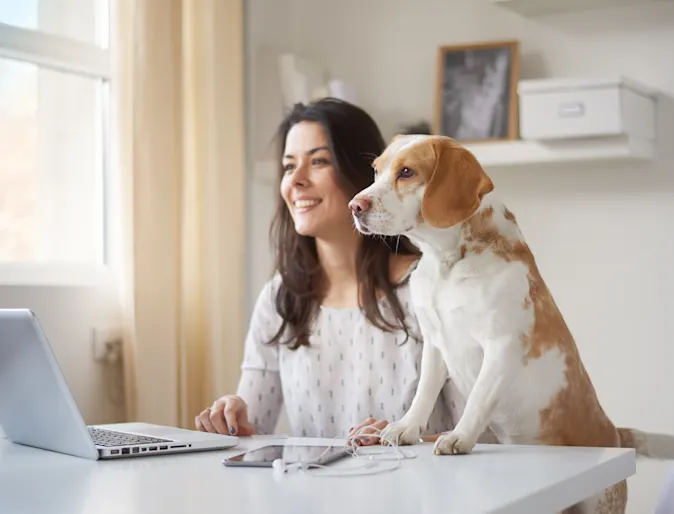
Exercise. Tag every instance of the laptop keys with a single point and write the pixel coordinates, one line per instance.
(108, 438)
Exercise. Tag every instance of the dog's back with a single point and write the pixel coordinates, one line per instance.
(572, 415)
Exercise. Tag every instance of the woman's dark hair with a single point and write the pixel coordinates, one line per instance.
(355, 141)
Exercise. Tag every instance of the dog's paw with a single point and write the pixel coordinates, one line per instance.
(454, 443)
(401, 433)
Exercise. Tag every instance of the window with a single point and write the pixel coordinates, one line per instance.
(54, 91)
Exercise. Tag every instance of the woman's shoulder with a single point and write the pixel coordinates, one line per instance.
(270, 288)
(264, 321)
(266, 298)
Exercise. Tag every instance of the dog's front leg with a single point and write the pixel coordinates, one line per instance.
(432, 377)
(501, 363)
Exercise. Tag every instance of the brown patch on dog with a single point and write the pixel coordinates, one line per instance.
(574, 417)
(509, 215)
(614, 499)
(480, 232)
(456, 187)
(418, 157)
(486, 216)
(627, 439)
(549, 329)
(577, 402)
(404, 187)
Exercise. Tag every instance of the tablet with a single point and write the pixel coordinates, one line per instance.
(265, 456)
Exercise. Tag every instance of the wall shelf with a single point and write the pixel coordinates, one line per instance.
(511, 154)
(517, 153)
(534, 8)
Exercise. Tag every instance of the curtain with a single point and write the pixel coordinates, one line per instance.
(179, 165)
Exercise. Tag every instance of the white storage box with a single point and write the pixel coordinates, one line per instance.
(569, 108)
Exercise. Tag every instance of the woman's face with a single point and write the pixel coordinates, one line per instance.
(309, 186)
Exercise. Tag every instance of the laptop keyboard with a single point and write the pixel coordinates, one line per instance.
(109, 438)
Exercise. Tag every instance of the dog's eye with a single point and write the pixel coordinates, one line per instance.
(406, 173)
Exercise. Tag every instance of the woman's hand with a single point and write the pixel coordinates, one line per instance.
(364, 430)
(365, 439)
(227, 415)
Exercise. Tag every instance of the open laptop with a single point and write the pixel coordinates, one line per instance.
(37, 408)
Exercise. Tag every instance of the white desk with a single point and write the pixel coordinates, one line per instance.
(494, 479)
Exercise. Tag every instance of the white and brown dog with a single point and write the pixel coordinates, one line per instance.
(487, 318)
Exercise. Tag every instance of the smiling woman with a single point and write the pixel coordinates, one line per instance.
(332, 335)
(309, 185)
(327, 152)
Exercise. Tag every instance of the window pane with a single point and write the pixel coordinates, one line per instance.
(83, 20)
(51, 165)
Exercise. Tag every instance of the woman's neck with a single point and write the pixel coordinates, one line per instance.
(337, 258)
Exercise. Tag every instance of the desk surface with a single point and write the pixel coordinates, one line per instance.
(493, 479)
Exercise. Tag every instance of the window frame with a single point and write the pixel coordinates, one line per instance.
(83, 59)
(55, 52)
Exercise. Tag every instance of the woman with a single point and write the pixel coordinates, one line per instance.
(331, 335)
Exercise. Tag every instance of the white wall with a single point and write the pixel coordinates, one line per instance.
(600, 234)
(68, 313)
(266, 37)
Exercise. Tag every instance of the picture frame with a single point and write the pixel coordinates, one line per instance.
(476, 91)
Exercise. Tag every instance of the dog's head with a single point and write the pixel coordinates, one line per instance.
(420, 179)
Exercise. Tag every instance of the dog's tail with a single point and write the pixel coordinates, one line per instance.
(655, 446)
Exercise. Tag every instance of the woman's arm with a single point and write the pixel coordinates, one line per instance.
(260, 382)
(362, 433)
(259, 398)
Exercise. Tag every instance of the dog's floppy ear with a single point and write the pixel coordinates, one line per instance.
(456, 187)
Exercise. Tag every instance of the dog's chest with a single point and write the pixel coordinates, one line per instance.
(444, 299)
(448, 310)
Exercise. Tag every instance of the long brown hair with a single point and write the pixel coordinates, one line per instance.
(354, 141)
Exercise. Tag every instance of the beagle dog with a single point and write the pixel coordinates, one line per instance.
(488, 321)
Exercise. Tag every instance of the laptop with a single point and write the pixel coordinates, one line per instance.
(37, 408)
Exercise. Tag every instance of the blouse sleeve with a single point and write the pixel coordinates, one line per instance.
(260, 384)
(261, 390)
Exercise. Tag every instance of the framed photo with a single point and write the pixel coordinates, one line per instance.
(476, 95)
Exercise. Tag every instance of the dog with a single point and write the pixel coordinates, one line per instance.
(487, 318)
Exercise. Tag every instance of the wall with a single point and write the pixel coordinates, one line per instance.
(69, 309)
(266, 37)
(599, 233)
(270, 31)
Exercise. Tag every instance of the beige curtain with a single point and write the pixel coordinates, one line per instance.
(179, 126)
